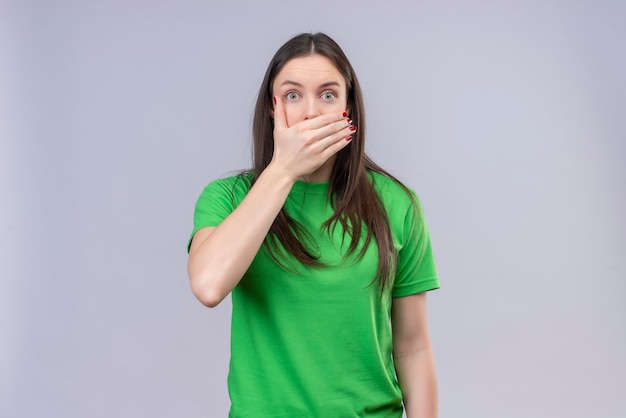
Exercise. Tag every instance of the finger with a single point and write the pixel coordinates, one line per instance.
(338, 143)
(335, 127)
(280, 121)
(326, 119)
(332, 143)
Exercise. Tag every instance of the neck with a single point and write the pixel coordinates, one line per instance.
(322, 174)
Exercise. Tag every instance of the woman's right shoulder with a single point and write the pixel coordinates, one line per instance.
(235, 184)
(235, 187)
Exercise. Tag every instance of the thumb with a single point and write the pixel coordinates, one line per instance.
(280, 122)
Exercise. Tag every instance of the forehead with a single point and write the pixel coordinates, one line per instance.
(312, 69)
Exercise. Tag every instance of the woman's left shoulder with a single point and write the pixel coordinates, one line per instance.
(392, 191)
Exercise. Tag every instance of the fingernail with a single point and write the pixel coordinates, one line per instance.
(349, 121)
(349, 138)
(352, 128)
(274, 100)
(345, 114)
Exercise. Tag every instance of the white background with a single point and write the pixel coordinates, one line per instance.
(507, 117)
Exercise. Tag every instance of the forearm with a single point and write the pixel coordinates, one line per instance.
(219, 262)
(418, 380)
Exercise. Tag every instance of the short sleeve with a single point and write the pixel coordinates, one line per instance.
(415, 271)
(217, 201)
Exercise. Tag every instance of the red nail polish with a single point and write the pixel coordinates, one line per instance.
(345, 114)
(350, 121)
(274, 100)
(349, 138)
(352, 128)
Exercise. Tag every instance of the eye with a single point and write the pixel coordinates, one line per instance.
(292, 95)
(328, 95)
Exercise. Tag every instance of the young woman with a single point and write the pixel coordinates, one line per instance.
(326, 256)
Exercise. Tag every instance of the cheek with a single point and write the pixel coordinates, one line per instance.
(293, 114)
(338, 105)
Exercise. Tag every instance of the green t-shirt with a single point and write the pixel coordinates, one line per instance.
(316, 342)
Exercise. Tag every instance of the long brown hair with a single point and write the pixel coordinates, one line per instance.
(357, 207)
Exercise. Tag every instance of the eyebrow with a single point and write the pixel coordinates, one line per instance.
(327, 84)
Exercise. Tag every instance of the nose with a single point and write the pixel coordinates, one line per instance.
(311, 110)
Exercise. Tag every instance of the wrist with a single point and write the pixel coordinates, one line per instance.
(279, 175)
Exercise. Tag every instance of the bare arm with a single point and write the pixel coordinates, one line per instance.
(219, 256)
(413, 356)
